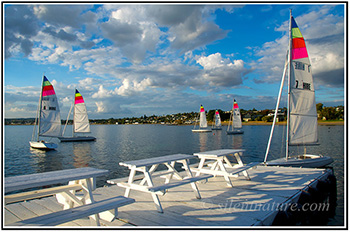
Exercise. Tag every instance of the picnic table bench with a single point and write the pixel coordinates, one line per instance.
(148, 168)
(78, 192)
(218, 164)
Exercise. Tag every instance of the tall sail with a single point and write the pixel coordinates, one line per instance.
(217, 119)
(81, 120)
(236, 116)
(202, 118)
(303, 114)
(50, 119)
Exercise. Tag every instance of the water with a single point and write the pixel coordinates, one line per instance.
(116, 143)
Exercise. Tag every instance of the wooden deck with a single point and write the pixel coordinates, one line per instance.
(249, 203)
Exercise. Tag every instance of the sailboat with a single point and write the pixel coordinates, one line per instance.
(203, 125)
(217, 121)
(235, 123)
(302, 114)
(80, 121)
(48, 119)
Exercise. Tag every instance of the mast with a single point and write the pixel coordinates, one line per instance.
(40, 105)
(277, 107)
(289, 79)
(70, 110)
(73, 126)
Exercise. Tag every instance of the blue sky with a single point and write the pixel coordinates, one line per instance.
(144, 59)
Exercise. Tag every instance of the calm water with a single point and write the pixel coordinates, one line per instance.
(116, 143)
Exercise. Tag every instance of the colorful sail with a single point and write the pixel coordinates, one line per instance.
(202, 118)
(50, 118)
(81, 120)
(217, 119)
(236, 116)
(303, 114)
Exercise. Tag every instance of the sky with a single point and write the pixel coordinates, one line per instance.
(130, 60)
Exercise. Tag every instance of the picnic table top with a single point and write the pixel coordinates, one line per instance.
(155, 160)
(218, 153)
(15, 183)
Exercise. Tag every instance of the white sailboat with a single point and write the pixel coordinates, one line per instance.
(80, 121)
(217, 121)
(302, 114)
(48, 119)
(203, 125)
(235, 123)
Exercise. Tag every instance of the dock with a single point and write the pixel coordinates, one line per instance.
(254, 202)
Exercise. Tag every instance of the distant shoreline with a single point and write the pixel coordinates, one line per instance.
(225, 123)
(325, 123)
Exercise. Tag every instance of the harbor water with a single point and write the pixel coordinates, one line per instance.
(116, 143)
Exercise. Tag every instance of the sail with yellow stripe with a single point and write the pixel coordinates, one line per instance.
(303, 114)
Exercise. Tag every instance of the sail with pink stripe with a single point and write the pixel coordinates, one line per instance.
(302, 104)
(50, 118)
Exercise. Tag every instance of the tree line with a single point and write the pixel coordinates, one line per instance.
(324, 113)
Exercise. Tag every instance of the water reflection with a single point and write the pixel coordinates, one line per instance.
(81, 154)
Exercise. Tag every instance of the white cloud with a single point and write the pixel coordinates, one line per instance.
(221, 72)
(324, 36)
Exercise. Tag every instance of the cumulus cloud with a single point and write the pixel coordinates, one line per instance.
(21, 25)
(222, 72)
(324, 37)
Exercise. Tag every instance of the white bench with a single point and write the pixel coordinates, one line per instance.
(220, 164)
(148, 168)
(76, 190)
(67, 215)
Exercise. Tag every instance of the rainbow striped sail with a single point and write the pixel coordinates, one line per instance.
(235, 105)
(217, 120)
(202, 118)
(81, 121)
(298, 43)
(50, 118)
(78, 98)
(47, 88)
(302, 105)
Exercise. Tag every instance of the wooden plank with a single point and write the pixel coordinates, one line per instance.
(219, 153)
(178, 183)
(15, 183)
(60, 217)
(156, 160)
(219, 206)
(39, 193)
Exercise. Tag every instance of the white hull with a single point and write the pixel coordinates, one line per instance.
(235, 132)
(43, 145)
(77, 139)
(201, 130)
(305, 161)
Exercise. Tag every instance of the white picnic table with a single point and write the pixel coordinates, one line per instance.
(218, 164)
(148, 168)
(76, 190)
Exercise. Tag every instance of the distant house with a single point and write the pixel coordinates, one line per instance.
(247, 118)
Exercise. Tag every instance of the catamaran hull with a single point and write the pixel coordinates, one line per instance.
(201, 130)
(305, 161)
(42, 145)
(236, 132)
(77, 139)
